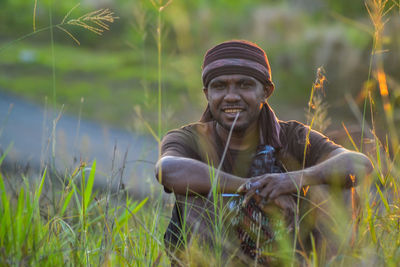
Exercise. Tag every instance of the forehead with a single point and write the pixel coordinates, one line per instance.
(233, 78)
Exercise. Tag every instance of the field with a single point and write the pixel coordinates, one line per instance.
(145, 77)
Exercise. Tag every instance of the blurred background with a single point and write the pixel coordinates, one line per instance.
(106, 88)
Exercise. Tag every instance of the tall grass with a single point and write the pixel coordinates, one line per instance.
(72, 224)
(33, 233)
(96, 21)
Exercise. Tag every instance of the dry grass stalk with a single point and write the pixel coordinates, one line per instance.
(95, 21)
(317, 108)
(34, 15)
(160, 5)
(98, 17)
(378, 11)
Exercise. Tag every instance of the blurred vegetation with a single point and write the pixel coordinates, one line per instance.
(117, 72)
(117, 76)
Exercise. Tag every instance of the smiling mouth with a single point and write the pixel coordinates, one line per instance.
(232, 110)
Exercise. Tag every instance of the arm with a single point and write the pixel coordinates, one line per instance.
(341, 168)
(182, 175)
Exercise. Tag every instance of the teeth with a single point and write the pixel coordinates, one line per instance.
(233, 110)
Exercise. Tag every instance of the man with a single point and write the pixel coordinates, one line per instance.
(237, 83)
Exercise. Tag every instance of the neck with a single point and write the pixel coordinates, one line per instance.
(240, 140)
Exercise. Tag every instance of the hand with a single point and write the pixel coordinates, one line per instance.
(269, 186)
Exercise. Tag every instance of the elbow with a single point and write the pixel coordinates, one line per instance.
(361, 167)
(367, 165)
(364, 164)
(162, 171)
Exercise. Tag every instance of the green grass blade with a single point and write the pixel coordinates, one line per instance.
(89, 186)
(19, 220)
(28, 204)
(378, 157)
(66, 202)
(350, 138)
(134, 208)
(4, 199)
(76, 194)
(39, 192)
(371, 225)
(384, 200)
(140, 205)
(6, 152)
(314, 254)
(5, 232)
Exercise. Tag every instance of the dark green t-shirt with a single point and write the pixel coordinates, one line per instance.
(200, 141)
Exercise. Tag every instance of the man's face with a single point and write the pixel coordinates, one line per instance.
(229, 94)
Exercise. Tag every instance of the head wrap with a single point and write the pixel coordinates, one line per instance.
(243, 57)
(237, 57)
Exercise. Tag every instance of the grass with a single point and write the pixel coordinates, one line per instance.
(69, 230)
(71, 224)
(78, 226)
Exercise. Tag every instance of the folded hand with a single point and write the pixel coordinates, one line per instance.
(269, 186)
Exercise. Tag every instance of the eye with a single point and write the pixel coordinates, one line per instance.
(218, 86)
(245, 84)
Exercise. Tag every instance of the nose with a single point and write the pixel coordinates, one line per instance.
(232, 94)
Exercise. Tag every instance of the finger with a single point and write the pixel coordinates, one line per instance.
(248, 186)
(247, 197)
(256, 185)
(241, 188)
(244, 187)
(273, 194)
(266, 191)
(251, 193)
(276, 192)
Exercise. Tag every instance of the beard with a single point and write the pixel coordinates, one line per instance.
(241, 125)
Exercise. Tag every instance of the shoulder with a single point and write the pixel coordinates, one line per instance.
(298, 138)
(190, 130)
(185, 140)
(290, 123)
(292, 128)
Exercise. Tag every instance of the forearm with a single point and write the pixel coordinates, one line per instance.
(184, 175)
(342, 169)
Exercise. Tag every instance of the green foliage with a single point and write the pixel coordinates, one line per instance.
(17, 15)
(31, 233)
(350, 9)
(110, 83)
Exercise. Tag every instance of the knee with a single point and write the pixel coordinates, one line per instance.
(327, 200)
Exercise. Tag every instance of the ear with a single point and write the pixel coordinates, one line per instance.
(266, 92)
(205, 91)
(268, 89)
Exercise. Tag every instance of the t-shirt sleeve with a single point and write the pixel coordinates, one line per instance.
(318, 147)
(179, 143)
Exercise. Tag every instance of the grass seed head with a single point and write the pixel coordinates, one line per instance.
(96, 21)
